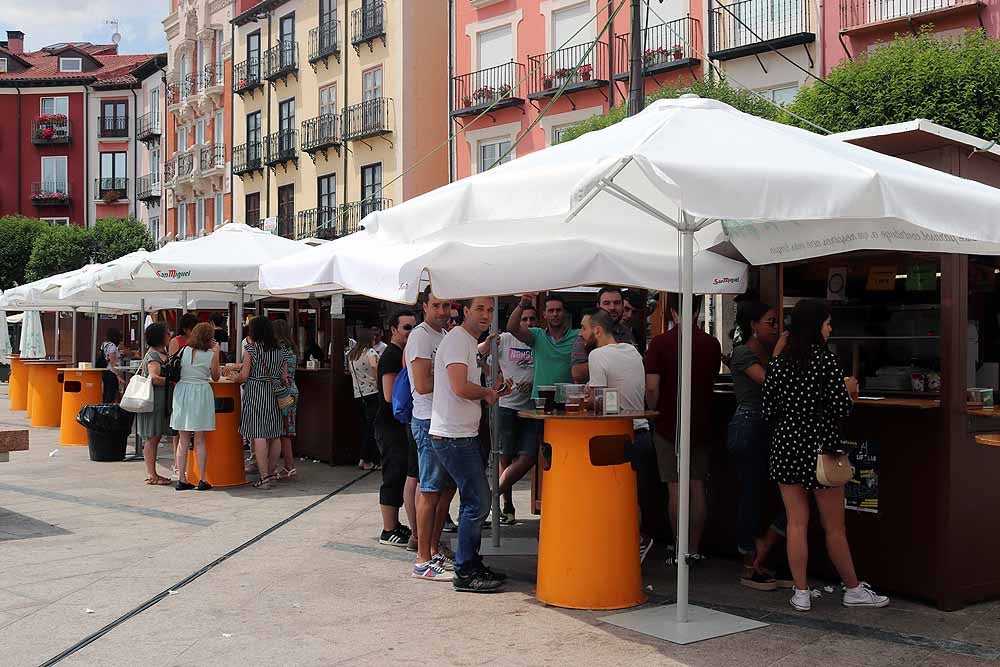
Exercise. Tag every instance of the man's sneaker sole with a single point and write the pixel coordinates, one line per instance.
(798, 608)
(870, 605)
(759, 585)
(446, 576)
(492, 586)
(393, 542)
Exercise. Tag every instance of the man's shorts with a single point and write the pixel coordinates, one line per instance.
(666, 458)
(432, 475)
(518, 437)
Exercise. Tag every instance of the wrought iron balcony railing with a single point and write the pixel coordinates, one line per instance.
(281, 60)
(577, 67)
(212, 76)
(51, 128)
(495, 88)
(50, 193)
(856, 14)
(368, 22)
(246, 76)
(147, 126)
(668, 46)
(749, 27)
(185, 164)
(110, 190)
(112, 126)
(323, 41)
(247, 157)
(321, 133)
(147, 188)
(367, 119)
(213, 156)
(280, 147)
(335, 221)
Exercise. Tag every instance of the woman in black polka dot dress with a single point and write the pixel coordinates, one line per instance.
(805, 396)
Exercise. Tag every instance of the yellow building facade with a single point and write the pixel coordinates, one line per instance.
(336, 102)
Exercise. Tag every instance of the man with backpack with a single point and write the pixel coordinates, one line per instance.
(392, 435)
(436, 487)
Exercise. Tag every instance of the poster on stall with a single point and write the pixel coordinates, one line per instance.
(861, 493)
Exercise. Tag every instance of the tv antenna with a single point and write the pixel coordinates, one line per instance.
(116, 37)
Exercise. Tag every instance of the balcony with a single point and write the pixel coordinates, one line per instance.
(147, 127)
(281, 148)
(247, 158)
(667, 47)
(110, 190)
(335, 221)
(285, 224)
(211, 158)
(246, 77)
(751, 27)
(368, 24)
(860, 15)
(367, 119)
(169, 171)
(50, 193)
(323, 43)
(174, 95)
(493, 88)
(574, 68)
(112, 127)
(147, 188)
(51, 128)
(281, 61)
(185, 165)
(321, 134)
(212, 78)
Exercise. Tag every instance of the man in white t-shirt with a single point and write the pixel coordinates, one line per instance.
(519, 437)
(455, 417)
(436, 488)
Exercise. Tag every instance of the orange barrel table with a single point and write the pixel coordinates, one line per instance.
(590, 513)
(44, 391)
(80, 387)
(225, 444)
(18, 387)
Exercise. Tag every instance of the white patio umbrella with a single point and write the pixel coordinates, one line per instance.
(681, 166)
(4, 339)
(226, 262)
(32, 341)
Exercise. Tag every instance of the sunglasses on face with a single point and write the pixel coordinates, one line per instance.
(407, 327)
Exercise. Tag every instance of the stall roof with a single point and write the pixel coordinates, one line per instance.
(917, 135)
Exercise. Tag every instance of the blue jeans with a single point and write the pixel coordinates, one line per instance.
(749, 443)
(432, 475)
(460, 457)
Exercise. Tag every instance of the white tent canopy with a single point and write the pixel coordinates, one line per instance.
(5, 349)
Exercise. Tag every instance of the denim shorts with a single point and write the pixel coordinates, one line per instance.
(518, 437)
(432, 475)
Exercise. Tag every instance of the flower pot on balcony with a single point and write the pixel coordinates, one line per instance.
(467, 101)
(111, 197)
(547, 83)
(48, 132)
(677, 53)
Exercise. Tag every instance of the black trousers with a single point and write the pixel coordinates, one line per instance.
(395, 461)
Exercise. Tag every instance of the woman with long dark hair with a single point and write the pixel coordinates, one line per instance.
(283, 336)
(362, 364)
(263, 371)
(805, 397)
(749, 438)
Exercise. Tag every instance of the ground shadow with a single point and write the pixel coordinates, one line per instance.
(14, 526)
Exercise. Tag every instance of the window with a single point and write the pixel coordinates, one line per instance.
(490, 152)
(253, 138)
(199, 132)
(371, 84)
(326, 199)
(114, 121)
(205, 59)
(558, 133)
(154, 228)
(253, 56)
(113, 174)
(218, 131)
(286, 126)
(57, 221)
(71, 64)
(252, 209)
(782, 96)
(217, 214)
(182, 73)
(567, 22)
(286, 29)
(371, 188)
(199, 217)
(286, 210)
(154, 105)
(54, 174)
(3, 64)
(328, 100)
(54, 105)
(496, 47)
(182, 220)
(219, 74)
(154, 166)
(327, 11)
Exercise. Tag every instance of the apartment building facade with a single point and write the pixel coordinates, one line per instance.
(197, 146)
(336, 101)
(72, 148)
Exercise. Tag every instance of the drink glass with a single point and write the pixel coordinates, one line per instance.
(548, 394)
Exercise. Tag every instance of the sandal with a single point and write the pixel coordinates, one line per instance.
(158, 480)
(285, 473)
(264, 482)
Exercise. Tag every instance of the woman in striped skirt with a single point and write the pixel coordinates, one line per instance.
(261, 422)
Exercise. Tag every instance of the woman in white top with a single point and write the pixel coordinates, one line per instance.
(362, 364)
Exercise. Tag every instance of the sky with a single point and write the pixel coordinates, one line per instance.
(45, 22)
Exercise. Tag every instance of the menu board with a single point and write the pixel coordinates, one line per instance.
(861, 493)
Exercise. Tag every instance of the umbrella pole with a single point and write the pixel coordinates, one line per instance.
(73, 351)
(93, 336)
(58, 336)
(239, 323)
(184, 305)
(684, 460)
(495, 424)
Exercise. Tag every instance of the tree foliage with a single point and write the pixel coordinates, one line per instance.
(114, 237)
(59, 248)
(952, 82)
(17, 238)
(713, 88)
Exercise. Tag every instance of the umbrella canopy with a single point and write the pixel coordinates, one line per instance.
(32, 342)
(4, 339)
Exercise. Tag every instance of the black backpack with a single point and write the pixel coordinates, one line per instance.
(172, 367)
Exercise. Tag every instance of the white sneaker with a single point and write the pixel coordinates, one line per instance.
(431, 571)
(801, 600)
(864, 596)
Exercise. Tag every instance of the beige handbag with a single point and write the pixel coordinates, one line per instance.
(833, 469)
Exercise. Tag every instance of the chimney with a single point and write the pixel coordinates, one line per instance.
(15, 41)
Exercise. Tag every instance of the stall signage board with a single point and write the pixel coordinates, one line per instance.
(881, 279)
(861, 493)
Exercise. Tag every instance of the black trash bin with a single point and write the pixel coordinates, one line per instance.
(108, 428)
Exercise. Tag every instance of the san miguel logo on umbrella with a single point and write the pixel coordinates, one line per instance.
(173, 274)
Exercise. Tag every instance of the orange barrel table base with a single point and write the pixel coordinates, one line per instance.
(590, 516)
(225, 465)
(45, 392)
(18, 387)
(80, 387)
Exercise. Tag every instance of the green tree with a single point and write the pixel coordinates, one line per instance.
(60, 248)
(114, 237)
(17, 238)
(953, 82)
(713, 88)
